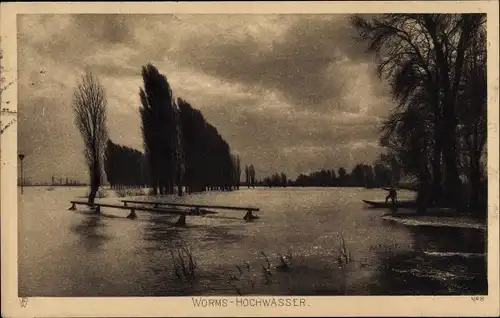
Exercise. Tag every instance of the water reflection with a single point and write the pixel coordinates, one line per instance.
(160, 230)
(90, 229)
(445, 261)
(448, 239)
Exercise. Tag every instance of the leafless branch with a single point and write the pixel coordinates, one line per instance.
(89, 105)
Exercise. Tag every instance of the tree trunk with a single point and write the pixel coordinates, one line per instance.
(161, 187)
(154, 180)
(450, 157)
(422, 198)
(436, 195)
(92, 195)
(475, 180)
(95, 182)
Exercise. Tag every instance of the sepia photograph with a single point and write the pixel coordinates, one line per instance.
(249, 159)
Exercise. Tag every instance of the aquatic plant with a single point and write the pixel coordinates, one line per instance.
(289, 255)
(121, 192)
(344, 258)
(344, 253)
(245, 275)
(238, 277)
(101, 193)
(285, 261)
(184, 264)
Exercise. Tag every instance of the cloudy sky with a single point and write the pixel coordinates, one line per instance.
(291, 93)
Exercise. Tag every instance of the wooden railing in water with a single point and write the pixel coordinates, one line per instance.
(248, 216)
(170, 208)
(133, 215)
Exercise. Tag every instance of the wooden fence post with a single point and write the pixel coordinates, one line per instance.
(181, 221)
(132, 214)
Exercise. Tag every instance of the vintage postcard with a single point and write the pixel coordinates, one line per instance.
(249, 159)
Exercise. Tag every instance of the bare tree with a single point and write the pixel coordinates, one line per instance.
(424, 57)
(89, 105)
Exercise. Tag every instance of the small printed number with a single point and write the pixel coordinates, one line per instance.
(477, 298)
(24, 302)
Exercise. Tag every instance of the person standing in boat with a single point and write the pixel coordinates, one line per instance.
(393, 195)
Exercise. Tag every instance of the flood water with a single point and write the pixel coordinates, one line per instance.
(74, 253)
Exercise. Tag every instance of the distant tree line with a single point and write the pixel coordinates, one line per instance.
(250, 180)
(24, 181)
(125, 167)
(56, 181)
(276, 180)
(60, 181)
(367, 176)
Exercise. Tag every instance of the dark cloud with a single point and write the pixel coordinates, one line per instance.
(289, 93)
(78, 36)
(307, 64)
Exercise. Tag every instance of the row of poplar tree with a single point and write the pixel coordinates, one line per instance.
(182, 150)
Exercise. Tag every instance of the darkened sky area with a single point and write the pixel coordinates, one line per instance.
(290, 93)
